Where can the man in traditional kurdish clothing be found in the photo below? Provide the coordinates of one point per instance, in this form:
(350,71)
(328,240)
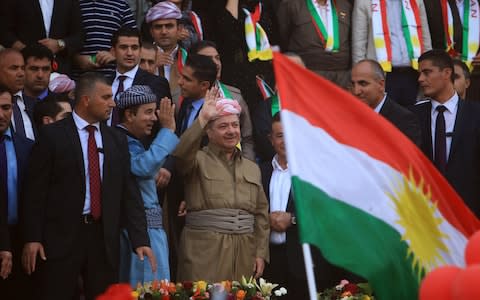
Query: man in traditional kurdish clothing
(163,19)
(399,42)
(319,31)
(138,113)
(226,232)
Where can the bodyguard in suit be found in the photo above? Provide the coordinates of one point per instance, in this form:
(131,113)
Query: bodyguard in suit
(14,151)
(368,84)
(126,45)
(12,75)
(53,23)
(450,127)
(78,193)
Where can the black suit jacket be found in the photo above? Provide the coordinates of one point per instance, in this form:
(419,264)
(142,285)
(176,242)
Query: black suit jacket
(55,191)
(23,21)
(435,24)
(22,150)
(406,121)
(463,166)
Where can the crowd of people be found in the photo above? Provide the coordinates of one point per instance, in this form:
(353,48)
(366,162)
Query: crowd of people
(140,140)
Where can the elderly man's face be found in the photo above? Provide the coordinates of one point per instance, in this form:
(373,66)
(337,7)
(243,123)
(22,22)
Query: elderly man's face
(213,53)
(147,60)
(12,72)
(6,109)
(225,132)
(164,33)
(366,86)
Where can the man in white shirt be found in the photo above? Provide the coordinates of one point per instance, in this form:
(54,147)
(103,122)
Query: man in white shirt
(12,75)
(450,128)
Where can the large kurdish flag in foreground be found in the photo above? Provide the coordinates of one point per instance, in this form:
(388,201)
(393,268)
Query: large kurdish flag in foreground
(365,195)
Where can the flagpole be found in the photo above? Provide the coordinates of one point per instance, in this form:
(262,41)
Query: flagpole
(307,256)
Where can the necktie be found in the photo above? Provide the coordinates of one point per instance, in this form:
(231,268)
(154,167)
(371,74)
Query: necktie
(440,158)
(94,174)
(115,116)
(187,117)
(3,173)
(18,118)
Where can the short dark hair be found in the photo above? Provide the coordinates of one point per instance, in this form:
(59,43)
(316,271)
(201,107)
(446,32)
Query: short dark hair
(204,69)
(125,31)
(276,117)
(200,45)
(86,83)
(37,51)
(439,58)
(463,66)
(148,45)
(48,107)
(121,112)
(4,89)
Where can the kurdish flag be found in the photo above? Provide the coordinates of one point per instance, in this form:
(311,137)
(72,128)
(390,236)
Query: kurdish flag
(365,195)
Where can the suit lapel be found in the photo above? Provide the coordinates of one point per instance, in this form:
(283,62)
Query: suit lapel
(36,7)
(72,132)
(457,128)
(108,148)
(426,125)
(138,79)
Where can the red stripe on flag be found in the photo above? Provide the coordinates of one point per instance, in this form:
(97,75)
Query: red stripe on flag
(353,123)
(386,31)
(416,13)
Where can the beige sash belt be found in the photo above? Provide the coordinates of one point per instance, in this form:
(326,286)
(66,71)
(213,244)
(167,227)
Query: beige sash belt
(221,220)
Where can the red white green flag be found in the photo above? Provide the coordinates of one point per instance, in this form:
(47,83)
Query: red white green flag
(365,195)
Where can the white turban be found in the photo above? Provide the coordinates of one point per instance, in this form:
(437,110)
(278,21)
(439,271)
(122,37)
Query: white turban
(226,107)
(163,10)
(60,83)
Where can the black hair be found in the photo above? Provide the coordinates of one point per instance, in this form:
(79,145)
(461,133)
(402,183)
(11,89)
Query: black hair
(204,69)
(200,45)
(37,51)
(87,82)
(127,32)
(463,66)
(48,107)
(4,89)
(439,58)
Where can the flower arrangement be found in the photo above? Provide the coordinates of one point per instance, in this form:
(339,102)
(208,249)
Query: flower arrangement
(347,291)
(245,289)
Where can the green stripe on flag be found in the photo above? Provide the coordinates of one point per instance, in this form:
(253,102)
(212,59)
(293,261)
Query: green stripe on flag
(357,241)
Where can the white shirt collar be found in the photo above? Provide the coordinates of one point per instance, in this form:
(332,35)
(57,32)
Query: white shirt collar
(130,74)
(276,164)
(174,52)
(380,105)
(81,123)
(451,103)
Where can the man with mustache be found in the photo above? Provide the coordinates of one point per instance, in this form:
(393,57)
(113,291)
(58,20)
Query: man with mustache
(138,111)
(227,212)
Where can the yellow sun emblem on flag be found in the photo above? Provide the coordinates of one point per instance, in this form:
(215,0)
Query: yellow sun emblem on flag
(422,228)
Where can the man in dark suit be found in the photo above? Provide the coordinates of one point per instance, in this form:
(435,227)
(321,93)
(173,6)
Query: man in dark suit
(286,265)
(368,84)
(450,127)
(55,24)
(126,45)
(14,151)
(78,194)
(12,75)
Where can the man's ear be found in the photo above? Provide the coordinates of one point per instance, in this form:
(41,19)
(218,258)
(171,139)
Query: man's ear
(205,85)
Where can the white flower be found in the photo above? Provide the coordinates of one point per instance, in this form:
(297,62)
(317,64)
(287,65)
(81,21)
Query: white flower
(283,290)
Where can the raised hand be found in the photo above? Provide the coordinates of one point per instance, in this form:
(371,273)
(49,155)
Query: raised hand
(166,114)
(209,108)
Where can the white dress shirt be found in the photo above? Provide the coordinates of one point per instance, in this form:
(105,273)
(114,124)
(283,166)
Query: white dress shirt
(127,83)
(280,184)
(47,10)
(380,105)
(81,125)
(400,56)
(450,115)
(27,123)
